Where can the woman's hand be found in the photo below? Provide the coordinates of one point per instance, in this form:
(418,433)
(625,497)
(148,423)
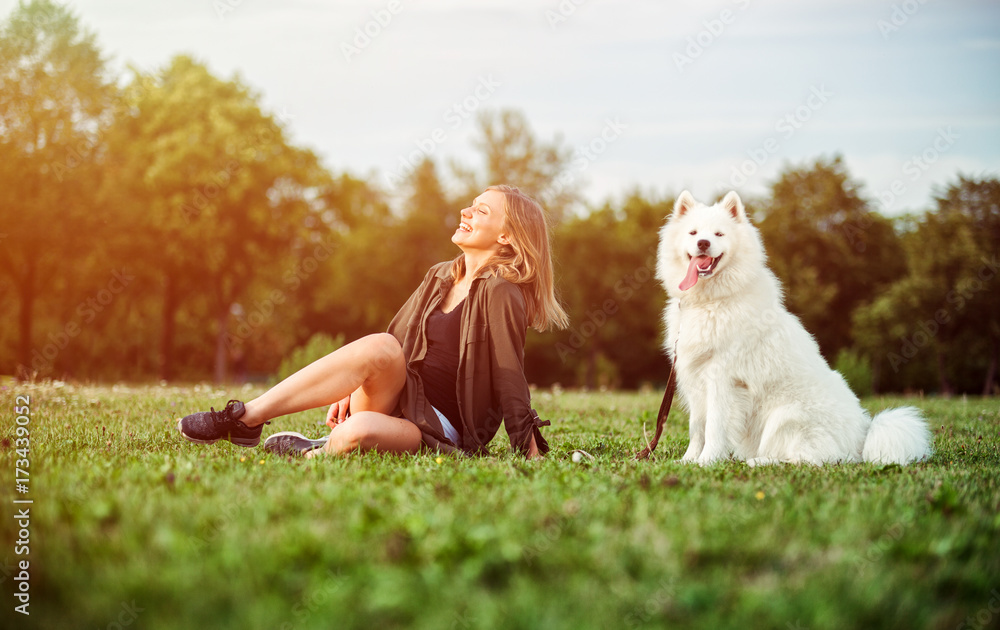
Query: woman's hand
(533,449)
(338,412)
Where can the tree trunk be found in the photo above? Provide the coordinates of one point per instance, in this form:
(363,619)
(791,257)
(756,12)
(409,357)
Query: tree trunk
(167,331)
(221,354)
(991,372)
(25,321)
(946,389)
(590,379)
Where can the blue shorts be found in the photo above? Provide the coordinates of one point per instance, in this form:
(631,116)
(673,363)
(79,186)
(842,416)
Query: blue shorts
(449,429)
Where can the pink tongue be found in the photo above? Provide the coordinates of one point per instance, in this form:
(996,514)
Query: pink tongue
(691,278)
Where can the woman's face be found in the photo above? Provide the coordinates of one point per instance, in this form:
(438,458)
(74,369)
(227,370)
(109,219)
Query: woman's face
(481,225)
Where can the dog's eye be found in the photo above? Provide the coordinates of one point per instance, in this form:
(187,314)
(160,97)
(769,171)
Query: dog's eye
(719,234)
(693,232)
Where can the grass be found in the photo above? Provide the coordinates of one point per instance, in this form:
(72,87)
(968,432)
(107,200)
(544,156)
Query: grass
(132,526)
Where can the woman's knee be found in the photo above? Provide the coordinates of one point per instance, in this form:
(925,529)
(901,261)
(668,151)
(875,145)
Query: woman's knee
(352,435)
(366,430)
(385,353)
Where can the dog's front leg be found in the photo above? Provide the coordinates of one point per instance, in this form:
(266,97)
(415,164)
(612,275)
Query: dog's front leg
(716,436)
(696,430)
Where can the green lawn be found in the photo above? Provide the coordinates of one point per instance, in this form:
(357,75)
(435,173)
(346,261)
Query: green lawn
(133,527)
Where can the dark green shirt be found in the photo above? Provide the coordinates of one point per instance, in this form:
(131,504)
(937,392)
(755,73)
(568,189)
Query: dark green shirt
(491,387)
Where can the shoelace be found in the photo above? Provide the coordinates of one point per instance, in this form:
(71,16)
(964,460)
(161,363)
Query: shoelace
(227,413)
(222,414)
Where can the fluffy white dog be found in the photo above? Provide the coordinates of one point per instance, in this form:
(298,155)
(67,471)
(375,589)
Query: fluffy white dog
(750,376)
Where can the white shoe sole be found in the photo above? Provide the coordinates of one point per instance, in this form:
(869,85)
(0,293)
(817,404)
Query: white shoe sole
(303,443)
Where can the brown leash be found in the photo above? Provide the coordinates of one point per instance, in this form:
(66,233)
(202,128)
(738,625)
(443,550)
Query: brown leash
(661,416)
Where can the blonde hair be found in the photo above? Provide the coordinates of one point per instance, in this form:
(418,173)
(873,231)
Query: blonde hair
(526,260)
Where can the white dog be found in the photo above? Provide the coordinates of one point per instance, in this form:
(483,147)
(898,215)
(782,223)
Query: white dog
(750,376)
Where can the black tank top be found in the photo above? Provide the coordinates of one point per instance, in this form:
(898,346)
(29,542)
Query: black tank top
(439,370)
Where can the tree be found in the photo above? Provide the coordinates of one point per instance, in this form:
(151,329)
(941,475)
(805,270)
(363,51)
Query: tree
(606,264)
(942,317)
(217,198)
(359,292)
(512,155)
(383,256)
(828,248)
(976,204)
(55,104)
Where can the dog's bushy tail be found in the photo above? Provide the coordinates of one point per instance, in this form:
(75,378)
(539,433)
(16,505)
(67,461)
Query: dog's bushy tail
(898,436)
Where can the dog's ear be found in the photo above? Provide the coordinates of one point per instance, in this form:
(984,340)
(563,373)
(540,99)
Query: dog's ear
(685,201)
(734,206)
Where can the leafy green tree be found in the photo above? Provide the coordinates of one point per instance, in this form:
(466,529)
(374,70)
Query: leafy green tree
(218,197)
(941,318)
(384,259)
(513,155)
(830,250)
(976,202)
(606,265)
(374,266)
(886,334)
(429,219)
(55,103)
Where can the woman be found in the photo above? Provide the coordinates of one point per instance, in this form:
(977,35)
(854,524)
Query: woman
(451,366)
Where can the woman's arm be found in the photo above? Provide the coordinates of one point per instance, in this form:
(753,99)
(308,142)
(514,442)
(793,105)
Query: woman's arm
(507,319)
(533,449)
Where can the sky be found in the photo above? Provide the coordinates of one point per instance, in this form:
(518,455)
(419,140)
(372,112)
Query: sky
(658,96)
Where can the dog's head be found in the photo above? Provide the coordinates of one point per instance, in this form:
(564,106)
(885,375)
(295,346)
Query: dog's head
(701,243)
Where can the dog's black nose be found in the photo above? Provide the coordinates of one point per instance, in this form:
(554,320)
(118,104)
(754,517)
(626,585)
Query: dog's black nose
(703,245)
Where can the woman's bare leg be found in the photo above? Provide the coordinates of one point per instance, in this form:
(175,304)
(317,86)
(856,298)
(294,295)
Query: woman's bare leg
(371,430)
(371,370)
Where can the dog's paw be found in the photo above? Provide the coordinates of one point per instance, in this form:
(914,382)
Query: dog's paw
(763,461)
(707,459)
(691,454)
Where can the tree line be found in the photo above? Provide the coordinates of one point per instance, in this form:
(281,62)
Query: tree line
(163,226)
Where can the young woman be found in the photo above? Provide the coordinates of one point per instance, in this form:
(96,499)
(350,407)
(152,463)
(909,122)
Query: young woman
(449,369)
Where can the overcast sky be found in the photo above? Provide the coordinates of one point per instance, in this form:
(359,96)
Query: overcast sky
(660,95)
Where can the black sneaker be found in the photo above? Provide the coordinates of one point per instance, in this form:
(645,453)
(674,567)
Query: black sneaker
(208,427)
(291,443)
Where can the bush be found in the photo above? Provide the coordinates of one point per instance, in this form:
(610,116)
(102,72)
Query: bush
(857,371)
(318,346)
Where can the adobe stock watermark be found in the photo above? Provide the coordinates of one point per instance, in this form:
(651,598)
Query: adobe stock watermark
(583,157)
(219,522)
(984,617)
(86,312)
(599,314)
(562,12)
(223,8)
(453,117)
(76,154)
(203,195)
(368,32)
(913,170)
(311,602)
(918,164)
(655,605)
(877,550)
(899,17)
(82,150)
(262,310)
(928,329)
(786,126)
(713,29)
(129,614)
(544,539)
